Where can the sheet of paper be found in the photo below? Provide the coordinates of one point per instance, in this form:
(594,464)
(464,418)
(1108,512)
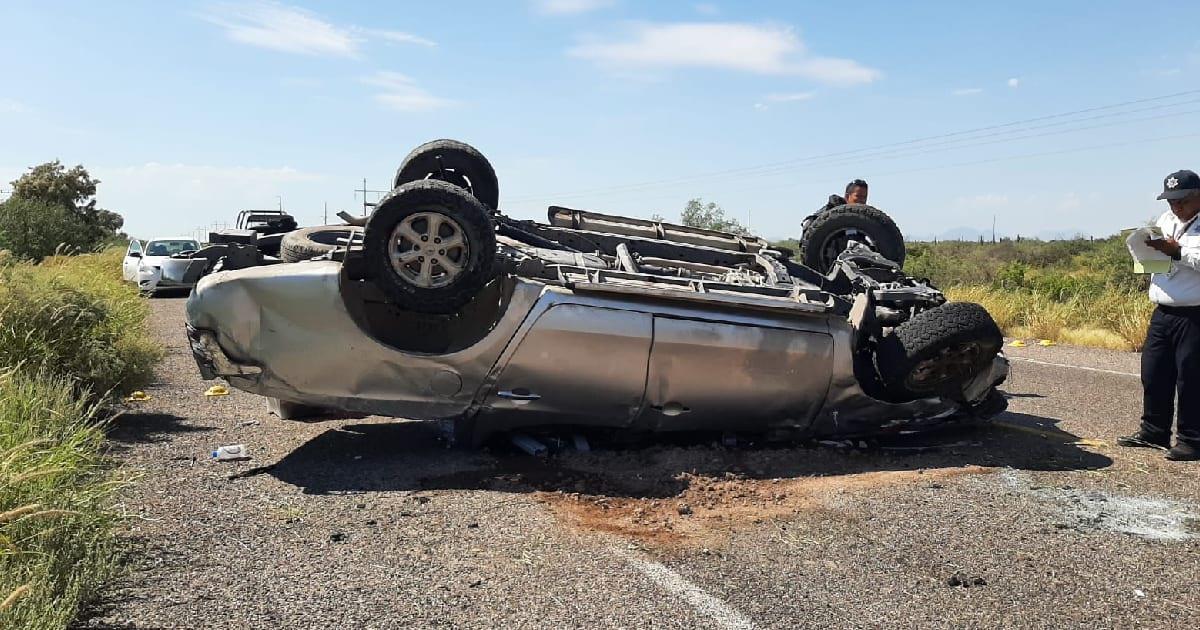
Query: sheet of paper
(1146,259)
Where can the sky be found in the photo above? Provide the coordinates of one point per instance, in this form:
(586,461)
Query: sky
(1051,118)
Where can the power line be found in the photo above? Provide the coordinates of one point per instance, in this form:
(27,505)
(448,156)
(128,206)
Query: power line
(965,143)
(775,166)
(1022,156)
(925,151)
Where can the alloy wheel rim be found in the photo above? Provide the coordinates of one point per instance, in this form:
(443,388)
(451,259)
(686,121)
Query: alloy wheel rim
(428,249)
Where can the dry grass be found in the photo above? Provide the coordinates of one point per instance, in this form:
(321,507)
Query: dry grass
(1114,318)
(72,335)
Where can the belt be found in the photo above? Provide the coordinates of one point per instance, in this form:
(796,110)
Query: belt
(1191,311)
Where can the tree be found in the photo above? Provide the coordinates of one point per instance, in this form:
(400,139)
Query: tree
(73,189)
(709,216)
(34,229)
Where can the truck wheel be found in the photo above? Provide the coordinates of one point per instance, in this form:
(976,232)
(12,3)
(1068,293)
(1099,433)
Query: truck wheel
(939,350)
(430,246)
(829,232)
(311,242)
(455,162)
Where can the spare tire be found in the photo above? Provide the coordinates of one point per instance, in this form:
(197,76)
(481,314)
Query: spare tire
(430,246)
(939,350)
(311,242)
(455,162)
(828,233)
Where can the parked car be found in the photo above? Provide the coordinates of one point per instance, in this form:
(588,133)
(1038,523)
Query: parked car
(162,263)
(450,309)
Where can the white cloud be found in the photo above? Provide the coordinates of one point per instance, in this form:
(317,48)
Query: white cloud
(162,199)
(288,29)
(399,37)
(1014,82)
(753,48)
(707,8)
(967,91)
(790,97)
(401,93)
(10,106)
(570,7)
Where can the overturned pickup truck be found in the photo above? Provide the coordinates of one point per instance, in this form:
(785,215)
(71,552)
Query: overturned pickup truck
(451,310)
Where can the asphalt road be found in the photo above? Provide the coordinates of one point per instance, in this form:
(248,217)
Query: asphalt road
(1038,521)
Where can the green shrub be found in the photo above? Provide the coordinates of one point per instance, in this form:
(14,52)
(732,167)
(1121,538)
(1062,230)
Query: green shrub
(1079,291)
(56,542)
(33,229)
(72,336)
(72,316)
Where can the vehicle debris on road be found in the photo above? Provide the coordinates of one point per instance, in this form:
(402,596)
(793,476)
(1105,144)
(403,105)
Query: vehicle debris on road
(961,579)
(230,453)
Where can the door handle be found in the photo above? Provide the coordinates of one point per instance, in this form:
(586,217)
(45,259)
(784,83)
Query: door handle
(519,395)
(671,409)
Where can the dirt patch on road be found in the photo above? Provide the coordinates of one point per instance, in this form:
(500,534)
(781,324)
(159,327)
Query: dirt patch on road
(708,508)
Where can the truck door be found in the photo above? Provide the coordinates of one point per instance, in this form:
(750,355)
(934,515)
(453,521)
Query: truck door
(716,375)
(576,365)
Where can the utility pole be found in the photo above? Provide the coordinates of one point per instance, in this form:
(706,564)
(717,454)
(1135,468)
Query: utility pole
(325,219)
(993,228)
(364,190)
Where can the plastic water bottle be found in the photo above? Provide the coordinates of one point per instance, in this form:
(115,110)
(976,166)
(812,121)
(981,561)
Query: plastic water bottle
(229,453)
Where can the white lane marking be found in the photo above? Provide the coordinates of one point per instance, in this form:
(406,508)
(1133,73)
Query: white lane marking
(702,602)
(1074,367)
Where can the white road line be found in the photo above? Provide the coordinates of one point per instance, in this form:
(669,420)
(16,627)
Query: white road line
(702,602)
(1074,367)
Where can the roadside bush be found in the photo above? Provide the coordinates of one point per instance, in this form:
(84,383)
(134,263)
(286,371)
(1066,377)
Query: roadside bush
(33,229)
(72,316)
(1114,318)
(72,337)
(56,542)
(1079,291)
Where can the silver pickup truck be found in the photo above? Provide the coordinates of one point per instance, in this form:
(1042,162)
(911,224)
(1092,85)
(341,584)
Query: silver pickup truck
(451,310)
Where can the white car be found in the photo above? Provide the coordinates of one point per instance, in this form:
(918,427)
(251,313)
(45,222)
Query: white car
(163,263)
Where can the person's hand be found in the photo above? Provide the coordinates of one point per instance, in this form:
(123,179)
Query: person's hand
(1168,246)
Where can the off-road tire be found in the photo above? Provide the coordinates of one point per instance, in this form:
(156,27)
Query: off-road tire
(472,217)
(951,329)
(311,242)
(875,223)
(425,161)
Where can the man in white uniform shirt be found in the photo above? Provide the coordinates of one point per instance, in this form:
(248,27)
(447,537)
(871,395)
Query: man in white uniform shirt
(1171,356)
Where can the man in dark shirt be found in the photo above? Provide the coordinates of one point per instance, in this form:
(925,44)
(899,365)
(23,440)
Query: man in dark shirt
(856,192)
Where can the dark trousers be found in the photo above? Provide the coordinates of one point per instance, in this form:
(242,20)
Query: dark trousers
(1171,366)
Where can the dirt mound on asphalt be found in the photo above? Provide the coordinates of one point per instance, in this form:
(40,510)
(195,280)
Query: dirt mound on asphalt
(708,507)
